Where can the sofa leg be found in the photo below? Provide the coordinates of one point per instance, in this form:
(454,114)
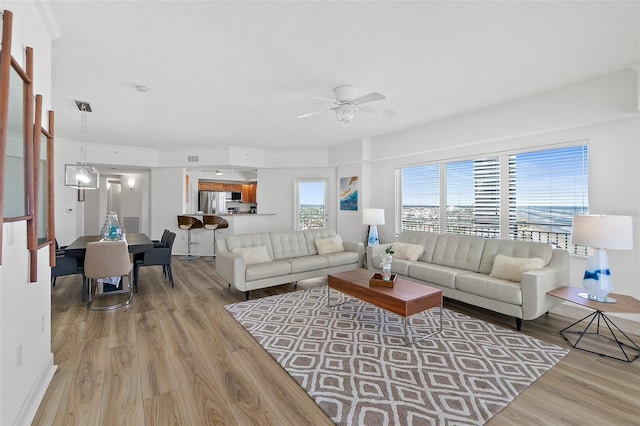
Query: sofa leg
(519,324)
(246,294)
(228,285)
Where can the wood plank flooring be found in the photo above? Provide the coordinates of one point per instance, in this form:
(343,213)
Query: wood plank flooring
(174,356)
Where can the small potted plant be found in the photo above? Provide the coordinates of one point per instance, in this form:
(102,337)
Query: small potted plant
(387,259)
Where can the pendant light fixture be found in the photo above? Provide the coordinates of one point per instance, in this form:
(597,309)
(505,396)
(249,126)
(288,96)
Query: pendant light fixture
(81,176)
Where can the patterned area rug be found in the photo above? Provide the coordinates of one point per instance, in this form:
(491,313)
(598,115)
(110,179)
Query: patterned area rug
(351,360)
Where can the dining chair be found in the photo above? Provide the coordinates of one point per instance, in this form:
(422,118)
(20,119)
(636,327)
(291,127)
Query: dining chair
(105,260)
(162,241)
(158,256)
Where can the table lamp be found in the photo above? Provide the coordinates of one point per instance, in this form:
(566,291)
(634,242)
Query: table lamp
(600,232)
(373,218)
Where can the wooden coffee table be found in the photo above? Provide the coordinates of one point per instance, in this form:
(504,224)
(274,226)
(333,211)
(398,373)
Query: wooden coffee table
(597,320)
(405,298)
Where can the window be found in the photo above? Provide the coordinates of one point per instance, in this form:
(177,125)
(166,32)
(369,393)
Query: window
(526,196)
(551,186)
(311,209)
(473,197)
(421,198)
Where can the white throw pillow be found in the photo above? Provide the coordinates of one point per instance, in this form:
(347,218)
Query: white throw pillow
(407,251)
(253,255)
(330,245)
(512,268)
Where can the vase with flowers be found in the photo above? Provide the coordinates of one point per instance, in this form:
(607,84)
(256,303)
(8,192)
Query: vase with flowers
(385,264)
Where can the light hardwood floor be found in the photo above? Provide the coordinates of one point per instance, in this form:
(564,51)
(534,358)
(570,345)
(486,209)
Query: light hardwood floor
(176,357)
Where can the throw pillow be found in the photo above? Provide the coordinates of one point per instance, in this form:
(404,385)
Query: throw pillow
(407,251)
(330,245)
(253,255)
(512,268)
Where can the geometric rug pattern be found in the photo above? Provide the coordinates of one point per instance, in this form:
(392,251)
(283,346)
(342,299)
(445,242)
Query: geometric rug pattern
(351,359)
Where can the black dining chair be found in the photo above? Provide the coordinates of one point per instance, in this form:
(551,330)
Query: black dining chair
(65,265)
(162,242)
(158,256)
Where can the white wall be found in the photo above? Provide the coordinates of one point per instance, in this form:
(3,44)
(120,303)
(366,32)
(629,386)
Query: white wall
(25,308)
(166,200)
(276,194)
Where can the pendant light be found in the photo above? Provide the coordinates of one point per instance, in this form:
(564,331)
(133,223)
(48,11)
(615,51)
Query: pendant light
(81,176)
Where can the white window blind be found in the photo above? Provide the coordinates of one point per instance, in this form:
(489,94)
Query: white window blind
(551,186)
(473,197)
(421,198)
(545,189)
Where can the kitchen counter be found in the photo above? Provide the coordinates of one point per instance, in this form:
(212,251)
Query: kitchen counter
(239,223)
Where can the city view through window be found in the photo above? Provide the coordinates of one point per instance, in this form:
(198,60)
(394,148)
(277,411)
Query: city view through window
(544,190)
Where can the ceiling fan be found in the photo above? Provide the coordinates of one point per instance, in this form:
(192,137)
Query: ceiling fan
(346,104)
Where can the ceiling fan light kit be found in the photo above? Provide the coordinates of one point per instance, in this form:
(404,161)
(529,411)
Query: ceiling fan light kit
(347,104)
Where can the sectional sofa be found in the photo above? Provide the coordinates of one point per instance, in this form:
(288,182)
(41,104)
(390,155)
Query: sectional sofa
(255,261)
(505,276)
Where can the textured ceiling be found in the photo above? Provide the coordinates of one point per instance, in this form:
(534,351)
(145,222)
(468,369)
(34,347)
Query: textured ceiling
(239,73)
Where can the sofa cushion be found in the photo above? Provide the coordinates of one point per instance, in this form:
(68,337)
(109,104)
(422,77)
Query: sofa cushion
(491,288)
(407,251)
(287,244)
(342,258)
(253,255)
(329,245)
(444,276)
(459,251)
(311,235)
(513,248)
(512,268)
(426,239)
(249,240)
(307,263)
(259,271)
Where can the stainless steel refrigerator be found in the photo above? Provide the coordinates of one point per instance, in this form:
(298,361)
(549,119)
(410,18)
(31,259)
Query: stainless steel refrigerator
(210,202)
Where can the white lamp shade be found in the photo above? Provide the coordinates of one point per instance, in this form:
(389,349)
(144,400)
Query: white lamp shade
(373,217)
(602,231)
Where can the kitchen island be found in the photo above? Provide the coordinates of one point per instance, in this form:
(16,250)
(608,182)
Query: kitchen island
(239,223)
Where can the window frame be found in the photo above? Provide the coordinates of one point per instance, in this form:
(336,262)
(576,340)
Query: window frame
(507,183)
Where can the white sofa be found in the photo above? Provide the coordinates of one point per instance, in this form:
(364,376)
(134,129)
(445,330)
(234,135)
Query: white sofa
(461,266)
(283,257)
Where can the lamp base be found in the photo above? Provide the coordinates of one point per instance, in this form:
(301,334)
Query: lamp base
(597,299)
(373,236)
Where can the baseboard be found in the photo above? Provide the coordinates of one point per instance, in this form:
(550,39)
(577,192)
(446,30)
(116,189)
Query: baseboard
(32,402)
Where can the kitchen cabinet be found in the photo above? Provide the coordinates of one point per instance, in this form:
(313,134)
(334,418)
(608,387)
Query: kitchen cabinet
(220,187)
(249,193)
(232,187)
(211,186)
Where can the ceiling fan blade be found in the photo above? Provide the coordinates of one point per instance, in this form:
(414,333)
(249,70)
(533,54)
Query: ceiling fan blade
(378,111)
(310,114)
(322,98)
(373,96)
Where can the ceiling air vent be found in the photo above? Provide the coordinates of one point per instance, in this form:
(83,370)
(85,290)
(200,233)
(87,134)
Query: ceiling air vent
(193,158)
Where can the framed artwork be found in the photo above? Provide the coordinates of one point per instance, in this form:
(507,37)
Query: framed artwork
(349,193)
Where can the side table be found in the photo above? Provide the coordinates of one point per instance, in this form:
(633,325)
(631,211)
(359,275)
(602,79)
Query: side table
(594,328)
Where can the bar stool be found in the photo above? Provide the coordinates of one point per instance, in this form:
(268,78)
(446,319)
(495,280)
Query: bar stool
(188,223)
(214,223)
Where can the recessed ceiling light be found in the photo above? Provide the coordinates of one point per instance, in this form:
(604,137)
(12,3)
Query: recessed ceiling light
(141,88)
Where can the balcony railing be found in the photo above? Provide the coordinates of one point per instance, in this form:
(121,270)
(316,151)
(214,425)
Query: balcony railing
(557,239)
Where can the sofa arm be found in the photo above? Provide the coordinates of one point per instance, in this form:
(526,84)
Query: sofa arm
(375,251)
(355,247)
(535,285)
(231,267)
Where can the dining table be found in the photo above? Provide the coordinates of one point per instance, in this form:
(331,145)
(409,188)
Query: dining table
(137,243)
